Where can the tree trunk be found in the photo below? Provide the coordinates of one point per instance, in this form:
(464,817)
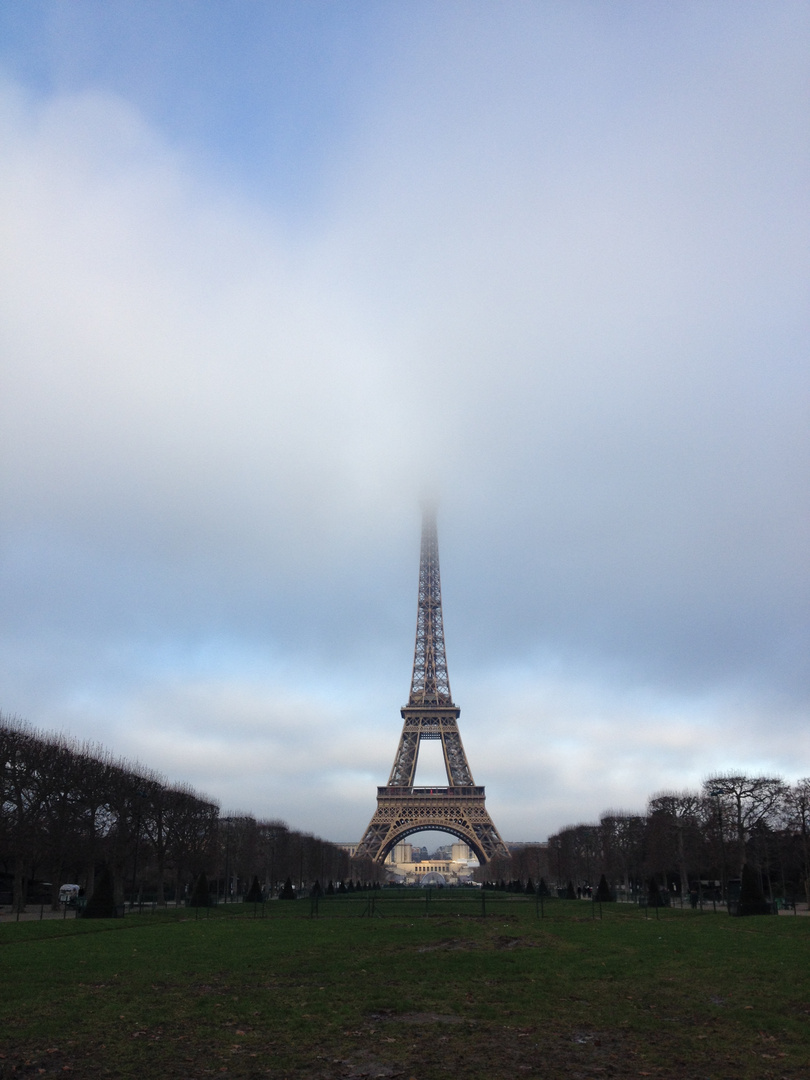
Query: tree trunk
(91,881)
(118,871)
(161,881)
(682,868)
(20,885)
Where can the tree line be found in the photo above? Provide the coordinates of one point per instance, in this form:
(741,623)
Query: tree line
(693,841)
(69,809)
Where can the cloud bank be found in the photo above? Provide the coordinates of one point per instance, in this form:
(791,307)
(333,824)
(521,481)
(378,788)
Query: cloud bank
(555,272)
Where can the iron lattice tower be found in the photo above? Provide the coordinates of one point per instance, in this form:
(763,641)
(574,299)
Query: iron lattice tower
(459,808)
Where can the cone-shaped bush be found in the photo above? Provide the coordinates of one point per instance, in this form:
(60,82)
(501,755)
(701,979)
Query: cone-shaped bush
(653,893)
(254,893)
(752,898)
(542,888)
(530,887)
(200,896)
(342,887)
(603,893)
(287,892)
(330,889)
(316,889)
(101,904)
(570,892)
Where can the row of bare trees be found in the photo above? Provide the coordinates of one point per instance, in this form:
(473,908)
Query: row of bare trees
(525,863)
(246,848)
(67,809)
(692,837)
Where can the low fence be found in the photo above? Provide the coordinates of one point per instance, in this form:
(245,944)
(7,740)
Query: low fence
(427,903)
(403,904)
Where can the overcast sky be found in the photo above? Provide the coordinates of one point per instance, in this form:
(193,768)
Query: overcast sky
(270,273)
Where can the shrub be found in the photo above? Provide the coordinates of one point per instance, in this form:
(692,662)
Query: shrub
(570,892)
(287,891)
(752,899)
(254,893)
(603,893)
(101,904)
(200,896)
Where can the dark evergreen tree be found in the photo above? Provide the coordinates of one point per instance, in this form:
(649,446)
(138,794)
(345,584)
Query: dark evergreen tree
(101,904)
(542,888)
(200,896)
(752,899)
(570,892)
(342,887)
(254,893)
(330,889)
(530,887)
(287,891)
(316,889)
(653,893)
(603,893)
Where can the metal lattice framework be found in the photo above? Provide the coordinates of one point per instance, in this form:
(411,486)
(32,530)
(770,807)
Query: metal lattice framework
(429,682)
(459,808)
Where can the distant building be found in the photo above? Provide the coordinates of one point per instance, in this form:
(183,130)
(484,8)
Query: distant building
(454,862)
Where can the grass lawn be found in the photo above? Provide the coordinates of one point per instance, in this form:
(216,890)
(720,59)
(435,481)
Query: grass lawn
(429,990)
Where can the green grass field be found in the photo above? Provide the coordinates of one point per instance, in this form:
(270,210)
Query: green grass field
(423,989)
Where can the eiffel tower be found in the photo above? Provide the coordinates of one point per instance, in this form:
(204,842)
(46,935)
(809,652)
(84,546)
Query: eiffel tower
(459,808)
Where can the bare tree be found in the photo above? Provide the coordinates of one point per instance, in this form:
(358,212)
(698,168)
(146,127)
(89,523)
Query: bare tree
(22,772)
(530,862)
(192,827)
(272,843)
(574,854)
(678,815)
(746,802)
(62,814)
(622,838)
(797,820)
